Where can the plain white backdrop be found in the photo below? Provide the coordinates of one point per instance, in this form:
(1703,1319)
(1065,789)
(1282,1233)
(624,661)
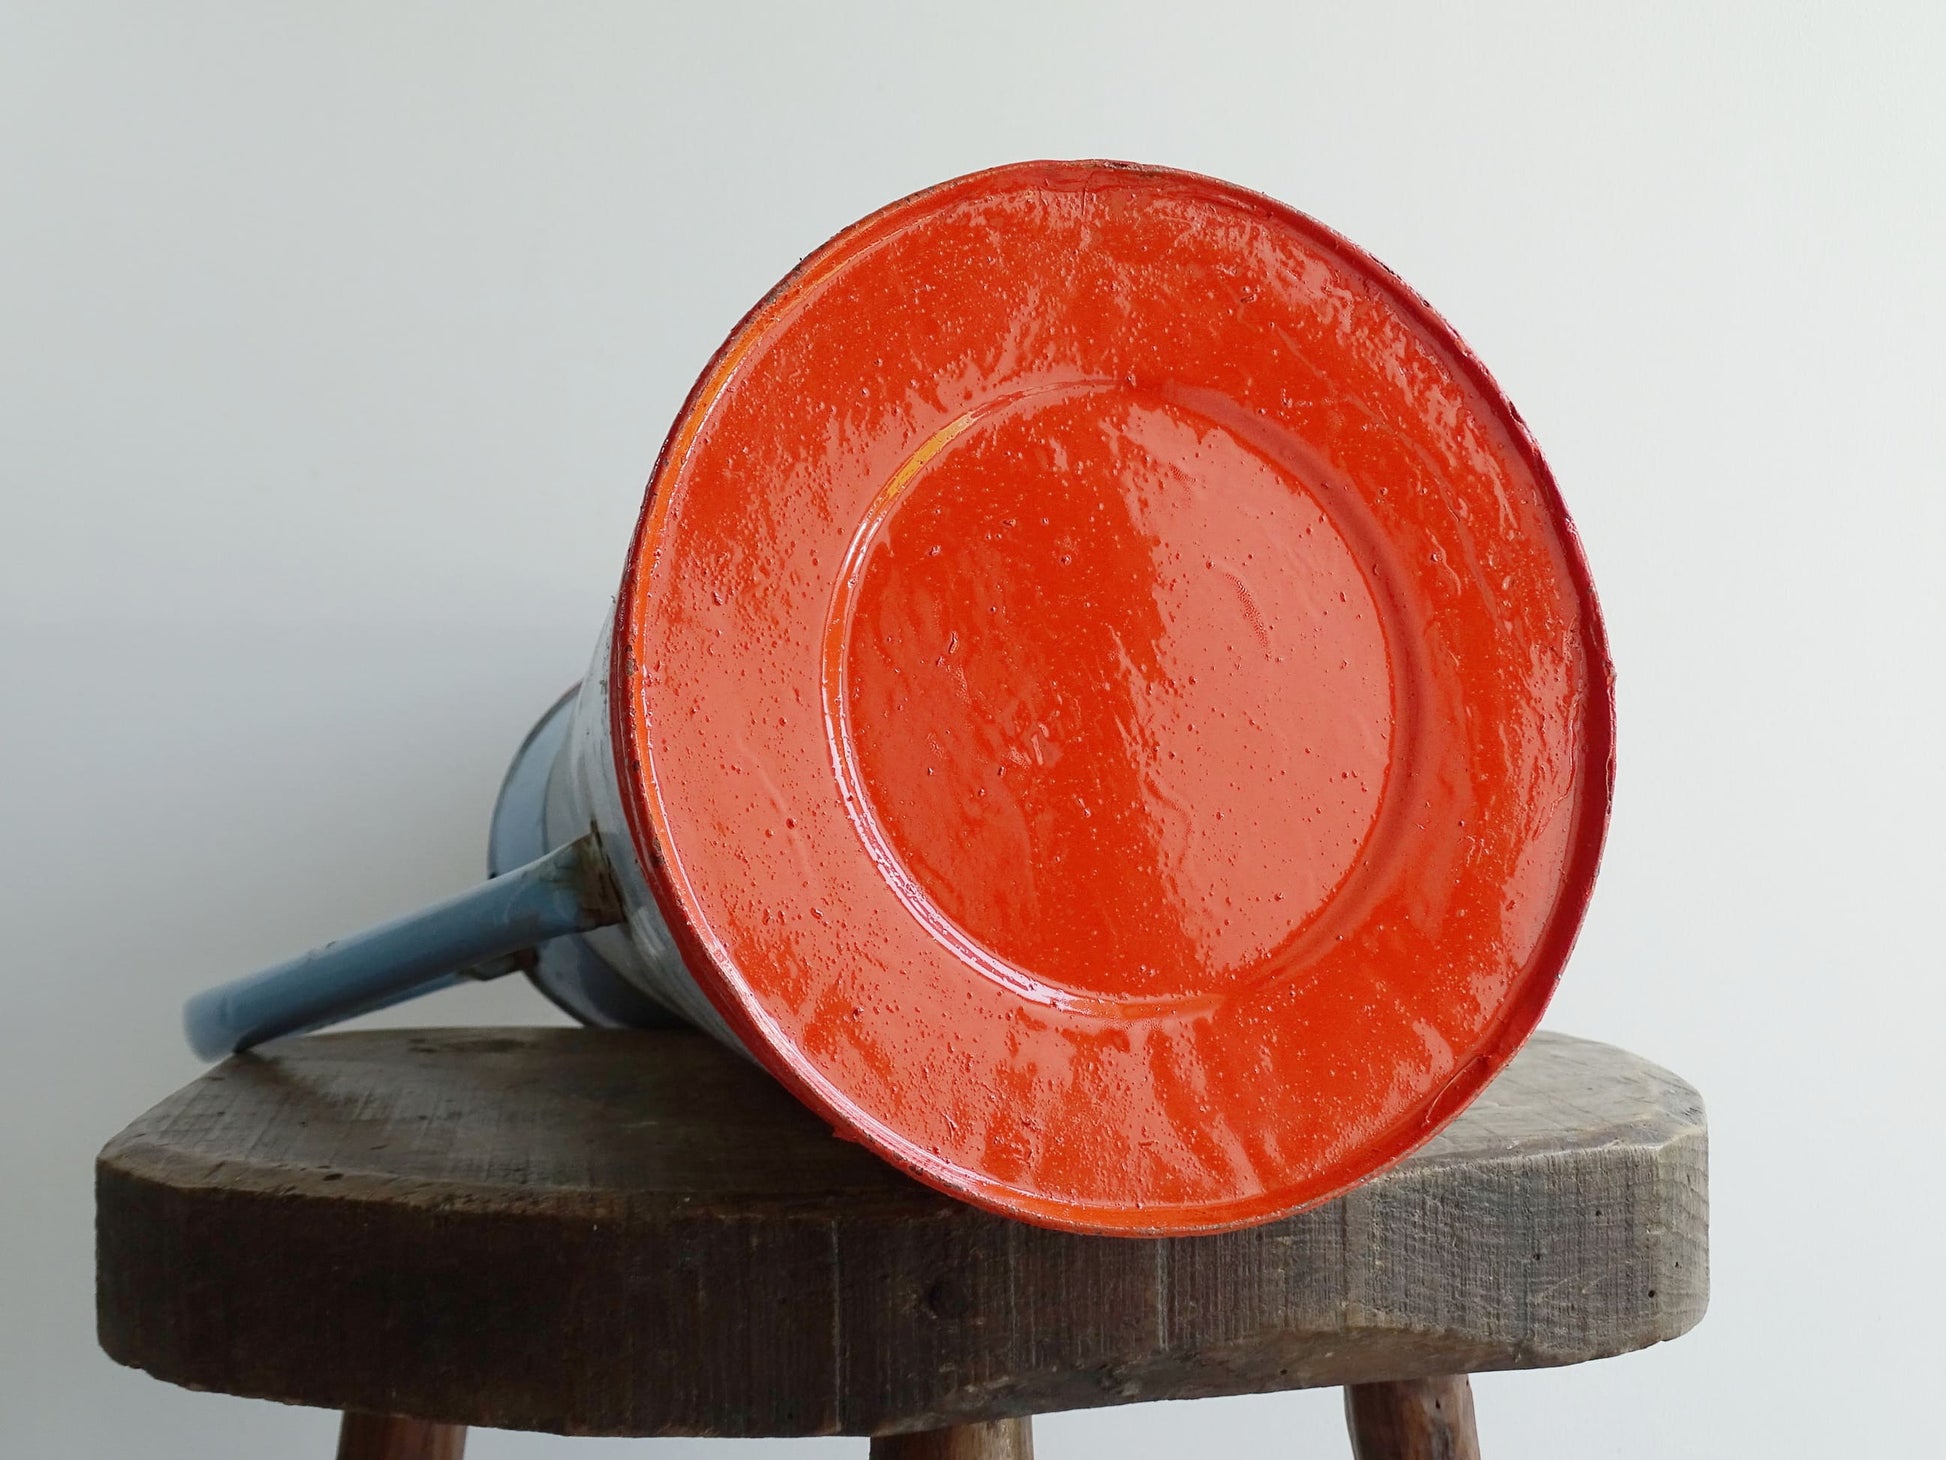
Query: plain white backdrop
(337,341)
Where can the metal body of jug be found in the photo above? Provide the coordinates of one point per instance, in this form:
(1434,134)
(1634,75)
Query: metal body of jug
(1105,703)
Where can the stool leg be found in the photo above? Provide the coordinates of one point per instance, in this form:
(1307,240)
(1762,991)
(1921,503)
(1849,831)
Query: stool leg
(1000,1439)
(392,1437)
(1413,1419)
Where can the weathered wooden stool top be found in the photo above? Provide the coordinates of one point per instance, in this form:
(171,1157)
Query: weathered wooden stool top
(639,1233)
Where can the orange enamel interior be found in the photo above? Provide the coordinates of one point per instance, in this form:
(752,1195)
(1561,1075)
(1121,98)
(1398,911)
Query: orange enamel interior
(1110,702)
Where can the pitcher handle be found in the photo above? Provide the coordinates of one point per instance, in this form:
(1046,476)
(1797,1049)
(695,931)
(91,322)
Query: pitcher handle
(570,890)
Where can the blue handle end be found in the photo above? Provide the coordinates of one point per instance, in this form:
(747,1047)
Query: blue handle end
(207,1024)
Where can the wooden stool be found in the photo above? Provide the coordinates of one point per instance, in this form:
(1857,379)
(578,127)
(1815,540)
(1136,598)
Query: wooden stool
(591,1232)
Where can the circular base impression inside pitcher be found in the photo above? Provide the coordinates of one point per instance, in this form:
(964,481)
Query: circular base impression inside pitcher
(1110,695)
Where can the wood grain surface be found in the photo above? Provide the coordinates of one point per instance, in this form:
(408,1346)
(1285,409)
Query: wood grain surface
(388,1437)
(1412,1419)
(590,1231)
(998,1439)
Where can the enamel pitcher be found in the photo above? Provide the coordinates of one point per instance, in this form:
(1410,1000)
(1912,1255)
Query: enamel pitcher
(1104,703)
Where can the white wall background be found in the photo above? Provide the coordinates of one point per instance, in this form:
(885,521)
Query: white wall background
(335,347)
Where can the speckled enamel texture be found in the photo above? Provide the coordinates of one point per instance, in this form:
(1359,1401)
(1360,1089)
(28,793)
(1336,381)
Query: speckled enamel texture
(1108,700)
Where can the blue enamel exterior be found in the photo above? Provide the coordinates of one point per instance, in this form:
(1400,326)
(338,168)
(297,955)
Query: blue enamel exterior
(567,970)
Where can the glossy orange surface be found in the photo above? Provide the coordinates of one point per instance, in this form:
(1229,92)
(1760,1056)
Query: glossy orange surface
(1110,702)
